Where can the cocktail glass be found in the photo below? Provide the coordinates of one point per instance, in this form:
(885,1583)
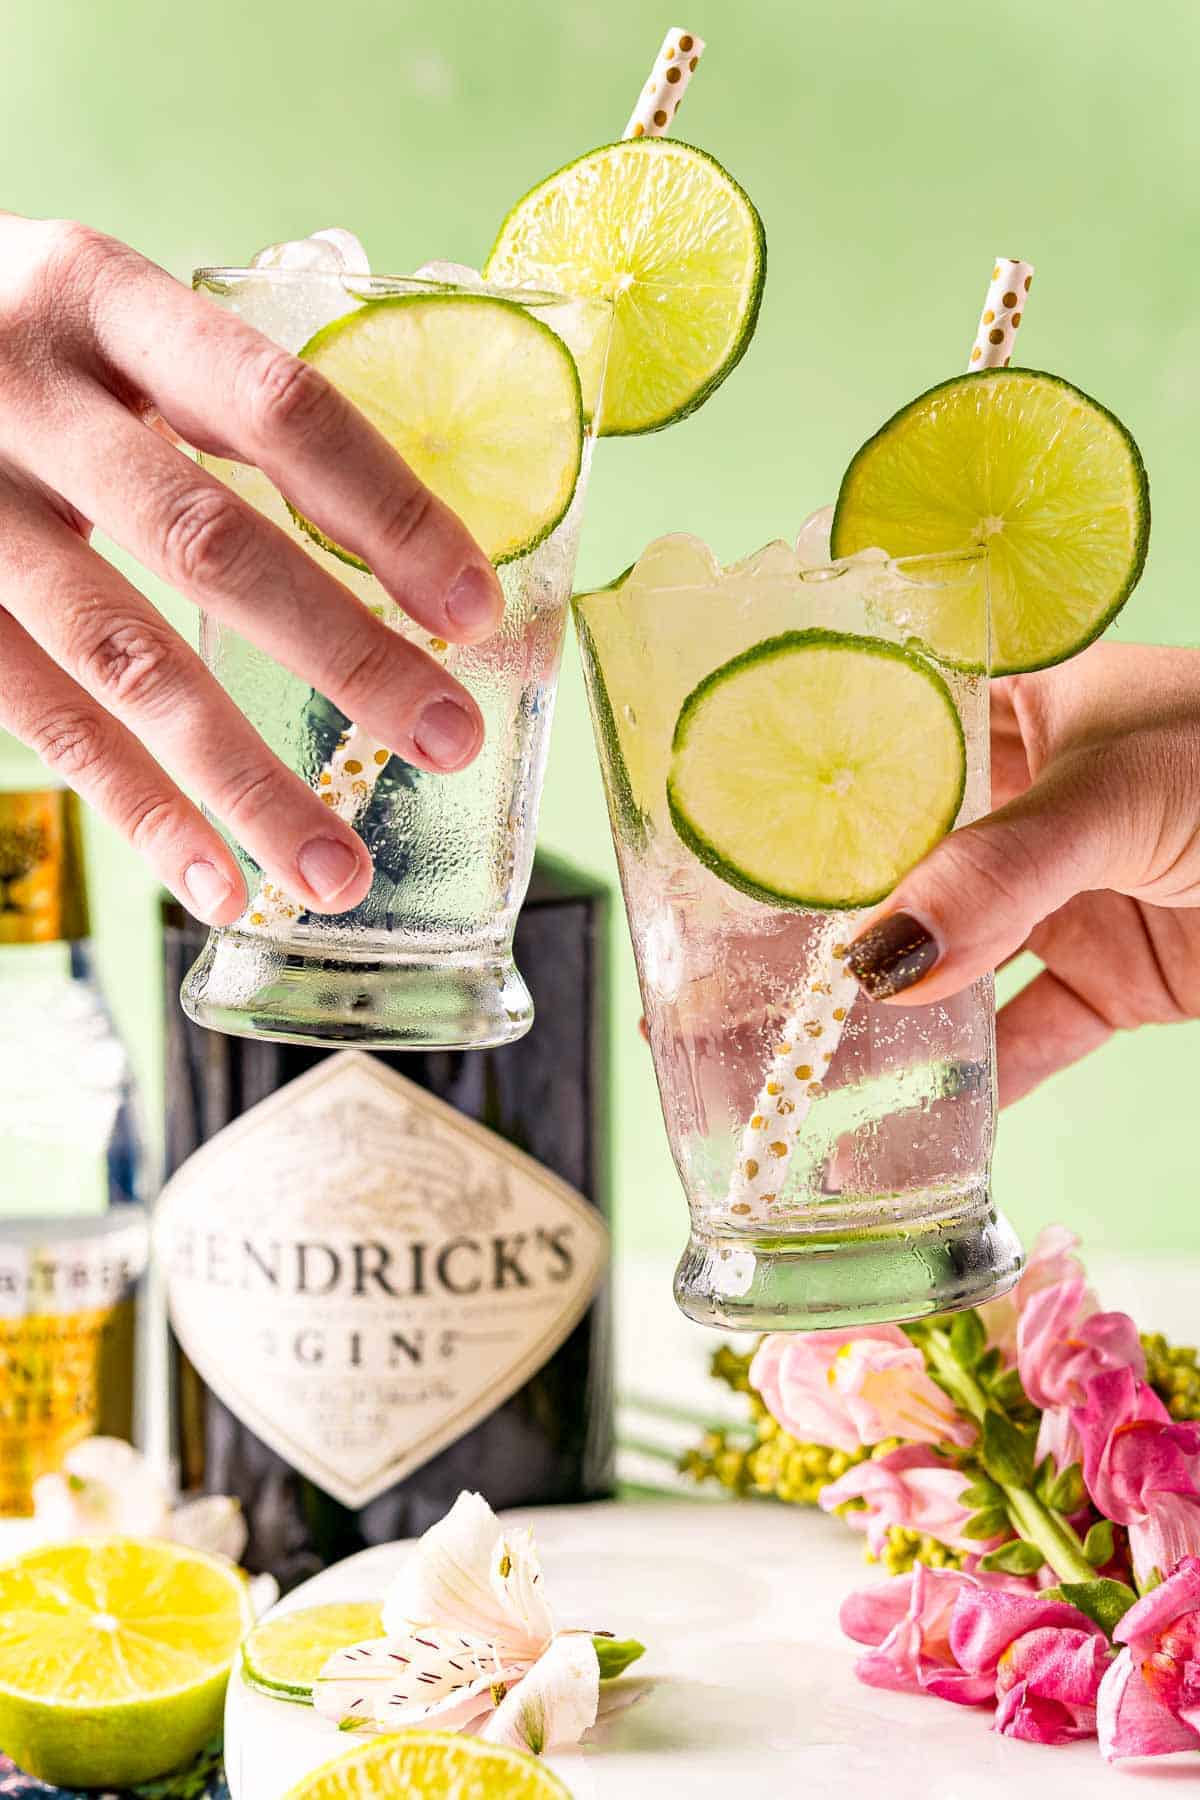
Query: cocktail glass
(878,1128)
(426,959)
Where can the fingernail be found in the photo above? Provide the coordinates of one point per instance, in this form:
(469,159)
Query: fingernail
(475,602)
(445,733)
(327,866)
(207,888)
(891,956)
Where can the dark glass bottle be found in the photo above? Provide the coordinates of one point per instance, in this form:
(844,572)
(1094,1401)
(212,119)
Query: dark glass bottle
(326,1306)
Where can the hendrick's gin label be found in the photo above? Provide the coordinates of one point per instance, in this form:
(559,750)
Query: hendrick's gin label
(382,1268)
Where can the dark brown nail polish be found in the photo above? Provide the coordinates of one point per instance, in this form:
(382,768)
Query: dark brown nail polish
(891,956)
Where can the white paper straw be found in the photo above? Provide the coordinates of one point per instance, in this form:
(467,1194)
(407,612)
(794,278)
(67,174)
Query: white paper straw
(659,100)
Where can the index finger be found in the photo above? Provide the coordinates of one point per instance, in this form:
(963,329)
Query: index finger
(224,386)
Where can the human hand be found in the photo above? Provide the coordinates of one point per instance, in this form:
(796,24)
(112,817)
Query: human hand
(1092,862)
(94,343)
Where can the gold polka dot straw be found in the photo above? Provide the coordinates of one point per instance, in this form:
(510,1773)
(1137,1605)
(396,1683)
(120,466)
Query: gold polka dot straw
(345,783)
(818,1016)
(659,100)
(1003,309)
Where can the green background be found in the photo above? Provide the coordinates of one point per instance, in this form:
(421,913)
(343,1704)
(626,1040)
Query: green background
(892,149)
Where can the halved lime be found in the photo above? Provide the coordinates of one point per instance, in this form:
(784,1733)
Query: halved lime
(283,1656)
(481,399)
(1026,463)
(666,234)
(114,1658)
(816,768)
(430,1765)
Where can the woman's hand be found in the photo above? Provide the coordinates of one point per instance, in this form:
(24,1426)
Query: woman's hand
(94,341)
(1092,862)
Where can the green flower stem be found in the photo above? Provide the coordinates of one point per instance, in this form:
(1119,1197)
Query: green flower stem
(1031,1520)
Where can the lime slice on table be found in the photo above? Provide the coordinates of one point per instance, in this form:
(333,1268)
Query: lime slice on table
(816,768)
(283,1656)
(481,399)
(114,1658)
(430,1765)
(663,232)
(1024,462)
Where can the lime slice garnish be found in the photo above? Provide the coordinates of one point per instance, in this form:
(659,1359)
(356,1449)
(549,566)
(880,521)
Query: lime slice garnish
(816,768)
(417,1765)
(284,1656)
(663,232)
(114,1658)
(1024,462)
(481,399)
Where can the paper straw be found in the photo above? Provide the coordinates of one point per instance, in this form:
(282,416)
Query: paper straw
(1003,305)
(811,1032)
(347,781)
(659,100)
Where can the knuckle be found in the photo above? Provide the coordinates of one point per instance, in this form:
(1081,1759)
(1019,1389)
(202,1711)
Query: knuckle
(372,668)
(289,398)
(133,664)
(249,794)
(53,269)
(996,860)
(73,741)
(207,539)
(149,820)
(407,517)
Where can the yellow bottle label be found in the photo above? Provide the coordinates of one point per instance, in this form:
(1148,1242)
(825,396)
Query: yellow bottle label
(66,1348)
(42,893)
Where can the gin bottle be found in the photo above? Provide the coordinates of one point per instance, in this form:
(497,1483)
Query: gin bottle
(385,1271)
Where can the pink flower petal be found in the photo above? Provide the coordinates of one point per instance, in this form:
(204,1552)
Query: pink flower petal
(1131,1721)
(870,1613)
(1177,1595)
(792,1372)
(1167,1534)
(986,1621)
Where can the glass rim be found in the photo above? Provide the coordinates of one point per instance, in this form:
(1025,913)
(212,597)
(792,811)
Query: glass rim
(383,286)
(921,569)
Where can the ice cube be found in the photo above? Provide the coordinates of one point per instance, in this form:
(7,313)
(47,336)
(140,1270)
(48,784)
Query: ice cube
(454,274)
(812,539)
(334,249)
(292,312)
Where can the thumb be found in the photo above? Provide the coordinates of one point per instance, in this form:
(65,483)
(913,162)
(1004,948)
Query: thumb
(979,893)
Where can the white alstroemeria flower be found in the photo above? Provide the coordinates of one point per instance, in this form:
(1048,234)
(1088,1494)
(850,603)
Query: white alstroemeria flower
(471,1644)
(104,1486)
(555,1703)
(470,1574)
(214,1522)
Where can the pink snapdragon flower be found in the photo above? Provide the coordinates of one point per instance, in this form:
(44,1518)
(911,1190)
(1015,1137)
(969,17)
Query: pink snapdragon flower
(1150,1697)
(906,1622)
(1062,1341)
(911,1487)
(1142,1469)
(1048,1682)
(973,1638)
(851,1388)
(1051,1261)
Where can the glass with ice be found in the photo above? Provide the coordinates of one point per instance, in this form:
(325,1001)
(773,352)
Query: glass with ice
(835,1154)
(494,399)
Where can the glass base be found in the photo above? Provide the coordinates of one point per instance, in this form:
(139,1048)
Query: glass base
(826,1278)
(250,987)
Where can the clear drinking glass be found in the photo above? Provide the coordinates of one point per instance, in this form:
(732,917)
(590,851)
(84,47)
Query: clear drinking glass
(426,960)
(875,1122)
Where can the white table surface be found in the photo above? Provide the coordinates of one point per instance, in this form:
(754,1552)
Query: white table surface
(752,1690)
